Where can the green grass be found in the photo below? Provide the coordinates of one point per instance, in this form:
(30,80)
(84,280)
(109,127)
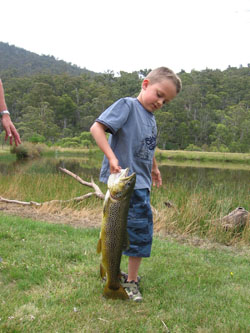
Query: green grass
(49,283)
(181,155)
(176,155)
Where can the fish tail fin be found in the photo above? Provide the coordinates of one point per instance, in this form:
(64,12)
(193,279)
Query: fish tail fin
(119,293)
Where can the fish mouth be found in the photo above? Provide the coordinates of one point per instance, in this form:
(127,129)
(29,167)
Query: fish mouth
(115,178)
(124,174)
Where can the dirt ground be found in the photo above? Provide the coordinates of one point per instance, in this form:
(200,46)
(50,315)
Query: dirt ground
(78,219)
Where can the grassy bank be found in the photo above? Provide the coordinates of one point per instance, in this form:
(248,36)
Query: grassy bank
(49,283)
(179,155)
(199,199)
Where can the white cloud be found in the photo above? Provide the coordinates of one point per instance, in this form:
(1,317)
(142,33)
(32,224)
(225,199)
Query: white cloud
(131,35)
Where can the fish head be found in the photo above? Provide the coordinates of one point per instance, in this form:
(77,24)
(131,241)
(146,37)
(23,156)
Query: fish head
(121,185)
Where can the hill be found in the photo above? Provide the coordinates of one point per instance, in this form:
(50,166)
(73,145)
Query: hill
(53,100)
(20,62)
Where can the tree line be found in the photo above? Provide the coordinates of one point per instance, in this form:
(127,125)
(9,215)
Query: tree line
(211,113)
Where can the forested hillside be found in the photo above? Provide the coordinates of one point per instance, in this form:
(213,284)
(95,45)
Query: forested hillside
(15,61)
(211,113)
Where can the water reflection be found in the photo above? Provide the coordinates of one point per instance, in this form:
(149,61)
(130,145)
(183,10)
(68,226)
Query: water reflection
(86,167)
(204,176)
(80,166)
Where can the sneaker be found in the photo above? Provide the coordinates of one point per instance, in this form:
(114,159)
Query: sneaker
(123,279)
(132,289)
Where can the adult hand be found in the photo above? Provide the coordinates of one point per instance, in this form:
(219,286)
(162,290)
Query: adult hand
(10,130)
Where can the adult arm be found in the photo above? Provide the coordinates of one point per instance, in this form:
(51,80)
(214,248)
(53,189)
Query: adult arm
(8,126)
(98,132)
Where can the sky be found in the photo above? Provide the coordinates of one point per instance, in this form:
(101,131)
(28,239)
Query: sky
(129,35)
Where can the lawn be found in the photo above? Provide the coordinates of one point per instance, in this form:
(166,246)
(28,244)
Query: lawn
(49,283)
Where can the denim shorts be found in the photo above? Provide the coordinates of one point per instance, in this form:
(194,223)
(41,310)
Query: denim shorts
(140,224)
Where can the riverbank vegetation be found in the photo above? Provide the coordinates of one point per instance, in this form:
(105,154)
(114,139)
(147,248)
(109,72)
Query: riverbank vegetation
(161,155)
(178,155)
(199,197)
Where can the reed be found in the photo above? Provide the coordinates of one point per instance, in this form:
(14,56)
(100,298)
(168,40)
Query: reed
(198,211)
(199,199)
(196,208)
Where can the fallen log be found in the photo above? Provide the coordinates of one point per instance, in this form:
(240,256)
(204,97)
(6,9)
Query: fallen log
(236,220)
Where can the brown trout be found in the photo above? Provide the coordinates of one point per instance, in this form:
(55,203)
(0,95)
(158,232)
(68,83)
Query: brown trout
(114,237)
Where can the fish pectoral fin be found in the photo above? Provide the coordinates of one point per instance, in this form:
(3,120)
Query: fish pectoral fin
(102,271)
(99,246)
(126,243)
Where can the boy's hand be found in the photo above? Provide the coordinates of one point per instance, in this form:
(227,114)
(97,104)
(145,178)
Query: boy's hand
(156,177)
(114,165)
(10,130)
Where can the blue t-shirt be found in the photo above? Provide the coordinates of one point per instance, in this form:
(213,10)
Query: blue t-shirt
(133,139)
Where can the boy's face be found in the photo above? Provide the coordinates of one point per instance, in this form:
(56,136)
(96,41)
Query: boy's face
(153,96)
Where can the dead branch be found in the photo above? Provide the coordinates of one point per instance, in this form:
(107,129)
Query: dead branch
(97,192)
(24,203)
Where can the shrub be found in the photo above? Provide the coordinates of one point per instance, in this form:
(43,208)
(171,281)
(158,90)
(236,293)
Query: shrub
(70,144)
(27,150)
(192,147)
(36,138)
(219,148)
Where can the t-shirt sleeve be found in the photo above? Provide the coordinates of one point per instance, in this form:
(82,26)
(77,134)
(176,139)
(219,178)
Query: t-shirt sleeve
(115,116)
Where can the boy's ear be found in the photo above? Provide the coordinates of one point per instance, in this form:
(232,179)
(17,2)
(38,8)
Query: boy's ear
(145,83)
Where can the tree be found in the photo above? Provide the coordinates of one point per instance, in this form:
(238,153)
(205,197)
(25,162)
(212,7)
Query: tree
(39,121)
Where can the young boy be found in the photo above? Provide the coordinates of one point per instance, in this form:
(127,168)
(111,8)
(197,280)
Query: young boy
(132,142)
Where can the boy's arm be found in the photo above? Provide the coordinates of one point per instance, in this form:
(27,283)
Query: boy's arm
(98,132)
(6,121)
(156,174)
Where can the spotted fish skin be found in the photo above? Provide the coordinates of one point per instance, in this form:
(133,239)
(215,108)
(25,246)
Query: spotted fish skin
(114,237)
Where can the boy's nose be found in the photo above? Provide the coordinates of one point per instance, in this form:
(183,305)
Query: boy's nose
(159,103)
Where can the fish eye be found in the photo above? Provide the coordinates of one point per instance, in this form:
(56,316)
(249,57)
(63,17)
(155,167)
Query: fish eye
(118,194)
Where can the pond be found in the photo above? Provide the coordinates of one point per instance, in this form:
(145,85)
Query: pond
(191,173)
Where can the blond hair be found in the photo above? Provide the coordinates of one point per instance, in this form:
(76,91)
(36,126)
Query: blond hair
(164,73)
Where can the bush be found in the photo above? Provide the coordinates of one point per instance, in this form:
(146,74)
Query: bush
(70,144)
(27,150)
(36,138)
(86,143)
(219,148)
(192,147)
